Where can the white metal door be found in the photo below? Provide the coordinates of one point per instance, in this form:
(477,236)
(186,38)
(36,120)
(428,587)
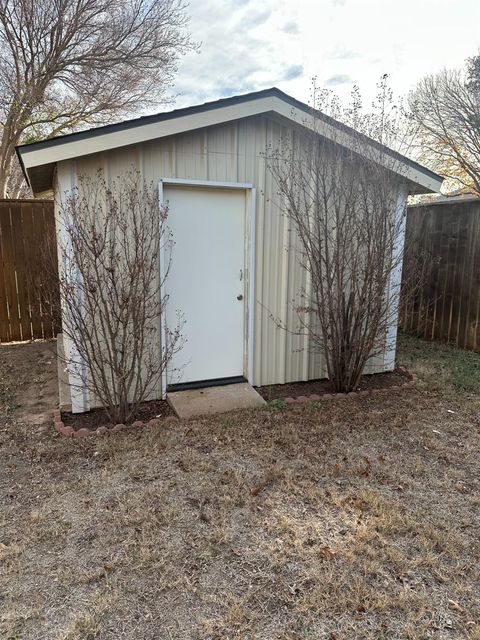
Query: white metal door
(205,283)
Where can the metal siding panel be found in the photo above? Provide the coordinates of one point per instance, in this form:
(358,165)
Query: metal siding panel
(275,246)
(117,164)
(190,154)
(242,159)
(222,153)
(258,141)
(67,180)
(254,172)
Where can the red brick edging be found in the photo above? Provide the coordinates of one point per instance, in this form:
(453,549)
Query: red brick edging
(410,381)
(69,432)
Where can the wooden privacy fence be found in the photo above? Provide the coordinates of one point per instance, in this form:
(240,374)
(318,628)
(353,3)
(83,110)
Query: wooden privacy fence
(443,254)
(27,227)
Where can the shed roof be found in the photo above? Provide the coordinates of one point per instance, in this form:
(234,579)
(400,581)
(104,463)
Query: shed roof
(39,158)
(466,198)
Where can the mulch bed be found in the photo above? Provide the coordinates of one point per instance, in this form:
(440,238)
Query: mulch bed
(160,409)
(98,418)
(322,387)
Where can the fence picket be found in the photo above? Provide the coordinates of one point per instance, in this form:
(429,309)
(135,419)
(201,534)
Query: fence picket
(24,225)
(446,308)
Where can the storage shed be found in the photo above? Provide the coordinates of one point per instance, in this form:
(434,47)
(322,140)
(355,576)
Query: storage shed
(231,269)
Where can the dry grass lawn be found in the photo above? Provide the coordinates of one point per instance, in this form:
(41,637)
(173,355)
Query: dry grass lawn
(351,520)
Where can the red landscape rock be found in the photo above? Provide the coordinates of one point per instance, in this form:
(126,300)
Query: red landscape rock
(82,433)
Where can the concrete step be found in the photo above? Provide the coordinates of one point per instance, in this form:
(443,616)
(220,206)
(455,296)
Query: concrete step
(196,402)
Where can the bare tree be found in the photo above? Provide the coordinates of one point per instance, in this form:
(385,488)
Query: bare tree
(445,120)
(110,291)
(68,63)
(341,197)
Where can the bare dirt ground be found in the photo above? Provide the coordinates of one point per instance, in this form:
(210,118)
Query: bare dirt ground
(28,380)
(356,518)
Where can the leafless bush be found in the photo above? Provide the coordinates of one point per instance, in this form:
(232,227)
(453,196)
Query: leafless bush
(110,291)
(345,200)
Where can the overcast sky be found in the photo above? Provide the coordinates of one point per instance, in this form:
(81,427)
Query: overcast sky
(247,45)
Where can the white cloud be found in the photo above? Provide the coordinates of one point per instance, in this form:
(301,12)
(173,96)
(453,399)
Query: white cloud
(339,79)
(248,45)
(291,27)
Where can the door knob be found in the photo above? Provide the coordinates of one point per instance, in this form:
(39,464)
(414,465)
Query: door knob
(240,297)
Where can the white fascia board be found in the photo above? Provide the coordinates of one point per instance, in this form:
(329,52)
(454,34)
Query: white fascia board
(418,177)
(144,133)
(343,137)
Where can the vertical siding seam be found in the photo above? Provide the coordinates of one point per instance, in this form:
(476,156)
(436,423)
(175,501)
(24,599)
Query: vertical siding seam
(264,346)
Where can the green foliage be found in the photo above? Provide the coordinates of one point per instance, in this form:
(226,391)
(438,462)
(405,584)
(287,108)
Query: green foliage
(7,396)
(444,363)
(276,404)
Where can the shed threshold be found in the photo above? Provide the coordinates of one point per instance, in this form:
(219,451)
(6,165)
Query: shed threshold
(202,384)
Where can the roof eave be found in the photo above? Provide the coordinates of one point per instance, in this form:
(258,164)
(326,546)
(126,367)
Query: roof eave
(273,100)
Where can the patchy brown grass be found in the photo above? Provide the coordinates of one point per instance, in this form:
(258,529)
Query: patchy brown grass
(354,519)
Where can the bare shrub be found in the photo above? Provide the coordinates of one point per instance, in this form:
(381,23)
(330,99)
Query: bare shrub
(110,290)
(345,200)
